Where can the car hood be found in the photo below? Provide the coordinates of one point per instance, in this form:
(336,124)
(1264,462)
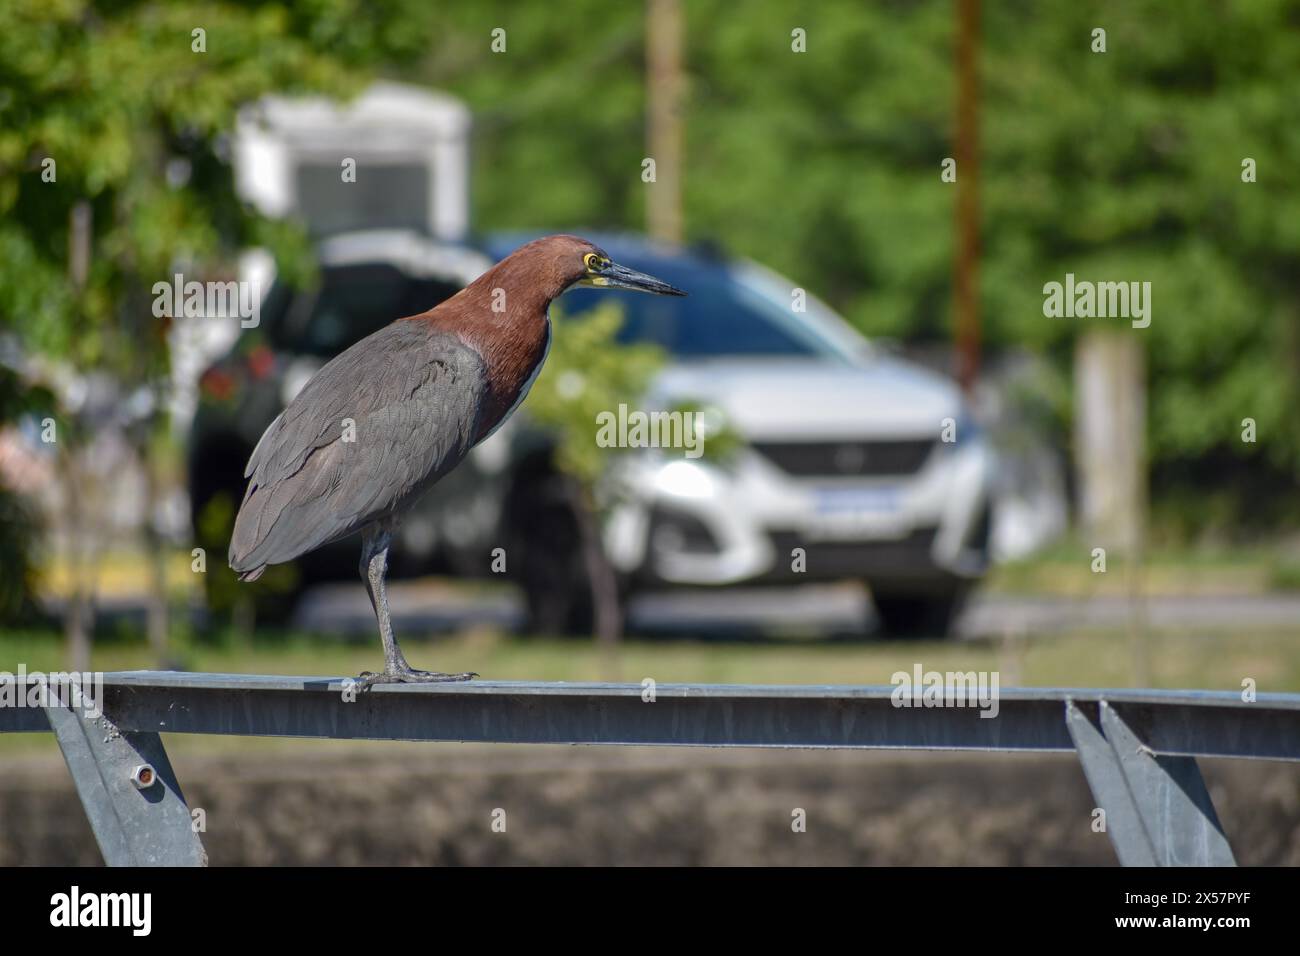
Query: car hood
(814,398)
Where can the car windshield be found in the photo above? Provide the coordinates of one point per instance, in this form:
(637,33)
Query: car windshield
(726,313)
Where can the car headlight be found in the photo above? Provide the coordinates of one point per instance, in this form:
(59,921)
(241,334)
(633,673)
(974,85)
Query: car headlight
(684,479)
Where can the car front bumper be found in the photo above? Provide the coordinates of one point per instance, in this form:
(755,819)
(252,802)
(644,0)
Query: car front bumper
(685,522)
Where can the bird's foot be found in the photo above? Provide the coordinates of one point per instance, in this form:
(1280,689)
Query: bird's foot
(409,675)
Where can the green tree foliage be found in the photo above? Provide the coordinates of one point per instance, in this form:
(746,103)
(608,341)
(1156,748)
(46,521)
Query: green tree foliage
(114,115)
(133,115)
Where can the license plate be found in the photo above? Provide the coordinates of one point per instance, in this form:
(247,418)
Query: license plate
(856,512)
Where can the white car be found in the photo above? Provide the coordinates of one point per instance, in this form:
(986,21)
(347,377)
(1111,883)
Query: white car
(852,463)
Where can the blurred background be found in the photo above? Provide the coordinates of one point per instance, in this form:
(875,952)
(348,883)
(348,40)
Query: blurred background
(905,458)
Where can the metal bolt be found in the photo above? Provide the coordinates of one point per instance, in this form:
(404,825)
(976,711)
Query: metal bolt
(144,776)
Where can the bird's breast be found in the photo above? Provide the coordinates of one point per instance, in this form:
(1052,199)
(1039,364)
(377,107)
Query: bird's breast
(522,391)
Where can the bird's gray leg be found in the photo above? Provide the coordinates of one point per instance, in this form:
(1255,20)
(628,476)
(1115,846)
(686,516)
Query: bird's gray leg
(374,570)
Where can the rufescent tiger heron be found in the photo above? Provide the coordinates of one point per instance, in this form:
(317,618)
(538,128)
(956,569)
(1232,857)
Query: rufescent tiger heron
(380,423)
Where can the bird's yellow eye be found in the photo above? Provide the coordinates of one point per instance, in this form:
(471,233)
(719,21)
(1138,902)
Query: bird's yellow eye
(593,262)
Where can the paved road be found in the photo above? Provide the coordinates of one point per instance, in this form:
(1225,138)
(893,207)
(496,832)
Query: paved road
(834,611)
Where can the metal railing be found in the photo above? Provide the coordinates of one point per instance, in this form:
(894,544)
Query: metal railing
(1137,747)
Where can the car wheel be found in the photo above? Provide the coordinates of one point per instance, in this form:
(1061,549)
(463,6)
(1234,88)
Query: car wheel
(912,615)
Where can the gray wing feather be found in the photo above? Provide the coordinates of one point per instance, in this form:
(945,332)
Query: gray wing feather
(413,395)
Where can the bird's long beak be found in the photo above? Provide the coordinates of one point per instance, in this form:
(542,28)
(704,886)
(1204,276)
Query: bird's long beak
(615,276)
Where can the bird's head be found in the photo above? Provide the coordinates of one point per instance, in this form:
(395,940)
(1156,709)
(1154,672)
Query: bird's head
(601,272)
(572,260)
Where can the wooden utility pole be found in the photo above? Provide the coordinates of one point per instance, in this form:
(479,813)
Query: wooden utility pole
(664,118)
(966,261)
(1110,414)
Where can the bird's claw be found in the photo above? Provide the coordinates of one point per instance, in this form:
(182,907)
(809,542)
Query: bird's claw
(409,675)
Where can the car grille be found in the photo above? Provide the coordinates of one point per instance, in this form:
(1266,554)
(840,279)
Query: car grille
(848,458)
